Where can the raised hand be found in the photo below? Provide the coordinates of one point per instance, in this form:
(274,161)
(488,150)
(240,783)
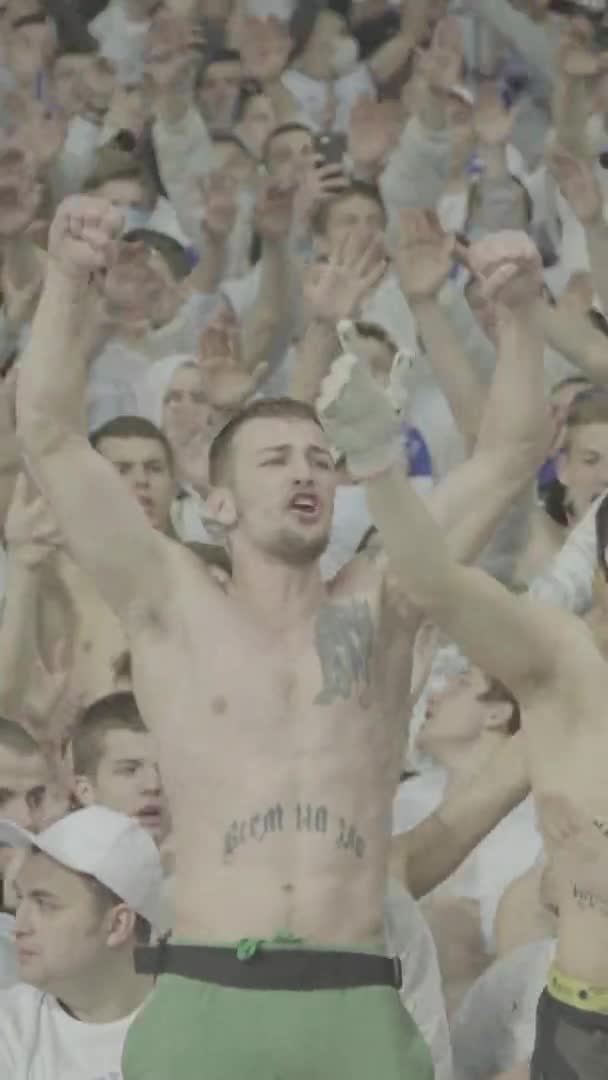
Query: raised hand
(335,289)
(173,49)
(425,254)
(274,211)
(316,184)
(508,267)
(576,57)
(578,184)
(359,418)
(228,385)
(417,19)
(220,207)
(493,123)
(372,132)
(83,238)
(191,453)
(30,531)
(441,65)
(49,706)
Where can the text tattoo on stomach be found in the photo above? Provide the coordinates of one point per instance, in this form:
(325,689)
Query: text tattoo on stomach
(301,818)
(595,899)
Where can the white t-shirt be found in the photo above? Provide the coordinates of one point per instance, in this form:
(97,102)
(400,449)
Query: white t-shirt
(312,94)
(40,1041)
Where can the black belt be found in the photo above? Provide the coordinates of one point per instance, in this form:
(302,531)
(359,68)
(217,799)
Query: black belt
(270,969)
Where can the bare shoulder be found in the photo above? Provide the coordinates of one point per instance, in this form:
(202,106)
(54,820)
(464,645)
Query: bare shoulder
(396,619)
(363,576)
(370,564)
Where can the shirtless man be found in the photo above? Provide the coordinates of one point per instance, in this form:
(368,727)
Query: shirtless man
(277,708)
(550,663)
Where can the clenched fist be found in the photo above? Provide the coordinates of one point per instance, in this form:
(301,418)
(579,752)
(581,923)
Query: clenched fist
(83,239)
(509,268)
(359,418)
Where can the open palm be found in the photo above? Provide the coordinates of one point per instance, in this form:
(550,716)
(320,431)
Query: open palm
(336,289)
(578,185)
(493,122)
(425,254)
(228,384)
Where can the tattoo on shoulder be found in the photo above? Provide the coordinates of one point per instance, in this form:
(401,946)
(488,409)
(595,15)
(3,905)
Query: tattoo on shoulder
(344,638)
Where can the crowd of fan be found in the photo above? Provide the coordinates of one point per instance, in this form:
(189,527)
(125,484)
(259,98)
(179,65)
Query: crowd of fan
(283,166)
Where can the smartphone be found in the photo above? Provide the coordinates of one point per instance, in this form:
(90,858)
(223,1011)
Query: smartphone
(331,147)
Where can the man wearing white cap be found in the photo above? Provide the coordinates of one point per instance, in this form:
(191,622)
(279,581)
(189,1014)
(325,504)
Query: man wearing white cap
(87,892)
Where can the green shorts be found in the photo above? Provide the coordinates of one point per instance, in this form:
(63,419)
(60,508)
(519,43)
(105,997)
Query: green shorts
(193,1030)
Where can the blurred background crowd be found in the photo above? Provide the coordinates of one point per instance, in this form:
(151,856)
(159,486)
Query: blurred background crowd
(267,156)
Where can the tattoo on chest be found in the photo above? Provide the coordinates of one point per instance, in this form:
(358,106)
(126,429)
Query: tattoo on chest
(344,638)
(315,820)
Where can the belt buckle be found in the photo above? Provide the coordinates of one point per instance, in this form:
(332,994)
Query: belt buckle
(397,972)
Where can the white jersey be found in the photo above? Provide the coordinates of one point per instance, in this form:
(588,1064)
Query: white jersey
(39,1040)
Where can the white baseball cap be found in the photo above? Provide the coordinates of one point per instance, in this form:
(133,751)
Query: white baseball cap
(106,845)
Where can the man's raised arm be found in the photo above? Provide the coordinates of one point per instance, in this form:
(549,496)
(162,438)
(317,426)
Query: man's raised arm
(429,853)
(508,637)
(105,528)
